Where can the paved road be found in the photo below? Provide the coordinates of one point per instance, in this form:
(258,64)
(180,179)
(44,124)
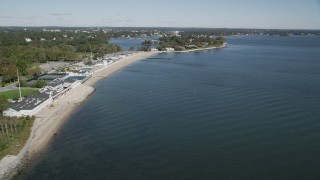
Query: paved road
(13,87)
(7,88)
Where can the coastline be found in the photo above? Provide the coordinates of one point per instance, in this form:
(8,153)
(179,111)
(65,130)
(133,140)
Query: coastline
(50,119)
(200,49)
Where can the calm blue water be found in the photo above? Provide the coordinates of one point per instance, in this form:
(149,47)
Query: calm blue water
(248,111)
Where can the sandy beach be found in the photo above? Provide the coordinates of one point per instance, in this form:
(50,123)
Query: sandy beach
(108,70)
(50,119)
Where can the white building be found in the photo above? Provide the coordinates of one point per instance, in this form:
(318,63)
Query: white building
(28,39)
(169,49)
(36,102)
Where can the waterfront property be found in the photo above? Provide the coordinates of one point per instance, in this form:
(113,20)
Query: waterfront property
(48,78)
(34,103)
(169,49)
(86,70)
(58,85)
(112,58)
(29,106)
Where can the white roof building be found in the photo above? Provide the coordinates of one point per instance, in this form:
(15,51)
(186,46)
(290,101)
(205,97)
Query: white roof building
(28,39)
(36,102)
(169,49)
(29,106)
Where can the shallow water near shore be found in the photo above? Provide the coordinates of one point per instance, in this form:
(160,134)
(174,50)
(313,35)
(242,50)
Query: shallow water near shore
(248,111)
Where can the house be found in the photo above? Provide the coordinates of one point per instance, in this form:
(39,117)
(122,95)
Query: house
(28,39)
(60,86)
(169,49)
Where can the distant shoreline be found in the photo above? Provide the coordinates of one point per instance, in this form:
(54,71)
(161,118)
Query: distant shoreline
(200,49)
(50,120)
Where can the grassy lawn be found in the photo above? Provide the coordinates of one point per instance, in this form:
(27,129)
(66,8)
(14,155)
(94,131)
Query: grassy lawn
(12,143)
(14,94)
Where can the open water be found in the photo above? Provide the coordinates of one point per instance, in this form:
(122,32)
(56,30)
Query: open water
(248,111)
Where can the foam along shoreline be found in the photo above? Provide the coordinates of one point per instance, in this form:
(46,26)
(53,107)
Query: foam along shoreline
(49,120)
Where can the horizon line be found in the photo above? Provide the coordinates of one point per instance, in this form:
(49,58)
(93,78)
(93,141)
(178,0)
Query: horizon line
(177,27)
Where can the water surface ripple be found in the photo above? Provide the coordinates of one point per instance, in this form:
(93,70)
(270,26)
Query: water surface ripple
(248,111)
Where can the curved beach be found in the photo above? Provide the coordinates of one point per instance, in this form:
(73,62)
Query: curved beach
(50,119)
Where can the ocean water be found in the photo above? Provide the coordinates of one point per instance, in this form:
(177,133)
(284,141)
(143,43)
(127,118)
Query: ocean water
(248,111)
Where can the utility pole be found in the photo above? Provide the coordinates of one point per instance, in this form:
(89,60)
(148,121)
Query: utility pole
(90,53)
(19,83)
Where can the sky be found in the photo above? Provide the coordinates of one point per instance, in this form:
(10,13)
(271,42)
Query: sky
(264,14)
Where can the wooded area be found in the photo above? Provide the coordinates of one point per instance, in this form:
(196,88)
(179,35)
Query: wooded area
(190,42)
(24,49)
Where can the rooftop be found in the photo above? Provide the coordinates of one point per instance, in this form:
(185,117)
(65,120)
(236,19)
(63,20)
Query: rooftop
(31,102)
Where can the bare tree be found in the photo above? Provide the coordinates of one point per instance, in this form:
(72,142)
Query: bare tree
(10,122)
(6,126)
(15,122)
(2,127)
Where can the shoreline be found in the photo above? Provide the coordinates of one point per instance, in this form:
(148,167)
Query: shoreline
(200,49)
(68,103)
(50,119)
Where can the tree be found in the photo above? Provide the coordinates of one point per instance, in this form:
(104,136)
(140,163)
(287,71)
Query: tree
(22,67)
(34,71)
(144,48)
(3,107)
(40,84)
(3,103)
(131,48)
(23,83)
(146,43)
(15,121)
(89,62)
(8,70)
(2,124)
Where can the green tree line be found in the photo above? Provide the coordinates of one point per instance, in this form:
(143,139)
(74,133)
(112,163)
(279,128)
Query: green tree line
(190,41)
(17,53)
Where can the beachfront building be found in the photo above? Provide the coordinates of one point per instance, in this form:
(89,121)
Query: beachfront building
(58,87)
(84,71)
(169,49)
(29,106)
(34,103)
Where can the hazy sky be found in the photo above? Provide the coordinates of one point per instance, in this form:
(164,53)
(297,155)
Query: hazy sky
(287,14)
